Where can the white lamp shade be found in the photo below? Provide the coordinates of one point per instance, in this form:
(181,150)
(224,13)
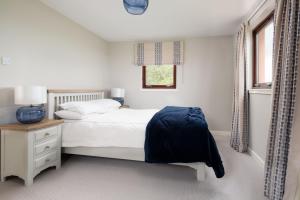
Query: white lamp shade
(117,92)
(30,95)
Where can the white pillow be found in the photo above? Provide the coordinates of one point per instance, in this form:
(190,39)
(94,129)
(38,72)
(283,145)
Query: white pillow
(66,114)
(107,103)
(97,106)
(83,108)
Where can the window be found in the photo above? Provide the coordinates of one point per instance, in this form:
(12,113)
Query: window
(263,49)
(159,76)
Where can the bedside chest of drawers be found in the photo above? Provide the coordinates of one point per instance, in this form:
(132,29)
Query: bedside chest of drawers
(28,149)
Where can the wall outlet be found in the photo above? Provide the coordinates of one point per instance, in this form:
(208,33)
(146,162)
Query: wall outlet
(5,60)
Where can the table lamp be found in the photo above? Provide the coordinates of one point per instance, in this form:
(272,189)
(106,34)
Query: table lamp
(118,94)
(32,98)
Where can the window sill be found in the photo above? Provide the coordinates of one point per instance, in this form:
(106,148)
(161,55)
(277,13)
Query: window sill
(261,91)
(159,90)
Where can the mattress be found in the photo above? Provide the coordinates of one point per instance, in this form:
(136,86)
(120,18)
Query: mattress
(119,128)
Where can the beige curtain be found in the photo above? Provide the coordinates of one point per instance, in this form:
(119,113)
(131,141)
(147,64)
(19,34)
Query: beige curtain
(286,61)
(239,132)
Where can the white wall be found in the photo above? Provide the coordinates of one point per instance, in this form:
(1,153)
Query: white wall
(46,46)
(259,123)
(47,49)
(205,80)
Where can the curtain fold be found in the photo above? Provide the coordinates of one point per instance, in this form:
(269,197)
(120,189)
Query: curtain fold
(239,132)
(159,53)
(286,61)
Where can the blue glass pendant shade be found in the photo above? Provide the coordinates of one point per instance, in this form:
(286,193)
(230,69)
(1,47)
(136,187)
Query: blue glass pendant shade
(135,7)
(30,114)
(119,99)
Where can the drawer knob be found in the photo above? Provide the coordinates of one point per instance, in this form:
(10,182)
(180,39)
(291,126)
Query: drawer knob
(47,147)
(47,134)
(47,160)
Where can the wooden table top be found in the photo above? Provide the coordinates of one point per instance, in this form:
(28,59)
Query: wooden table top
(29,127)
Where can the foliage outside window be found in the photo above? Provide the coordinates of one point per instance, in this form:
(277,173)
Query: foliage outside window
(159,76)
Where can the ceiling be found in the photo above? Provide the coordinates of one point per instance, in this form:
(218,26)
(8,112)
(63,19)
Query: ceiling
(164,19)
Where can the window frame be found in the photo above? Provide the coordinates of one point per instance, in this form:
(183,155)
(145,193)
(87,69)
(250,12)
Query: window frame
(158,86)
(259,27)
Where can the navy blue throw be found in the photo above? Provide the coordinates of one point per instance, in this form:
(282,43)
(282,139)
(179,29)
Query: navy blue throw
(180,134)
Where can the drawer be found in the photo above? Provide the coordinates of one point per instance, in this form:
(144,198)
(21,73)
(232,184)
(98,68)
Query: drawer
(45,133)
(45,160)
(46,146)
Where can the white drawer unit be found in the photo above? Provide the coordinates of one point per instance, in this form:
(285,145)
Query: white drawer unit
(45,160)
(46,146)
(45,134)
(26,150)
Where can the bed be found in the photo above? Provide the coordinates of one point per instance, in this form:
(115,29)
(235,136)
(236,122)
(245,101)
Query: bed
(122,131)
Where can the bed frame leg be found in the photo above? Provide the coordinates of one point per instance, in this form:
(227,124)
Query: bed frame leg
(201,175)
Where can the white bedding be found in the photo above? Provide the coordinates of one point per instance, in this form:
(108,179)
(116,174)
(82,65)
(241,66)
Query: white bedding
(119,128)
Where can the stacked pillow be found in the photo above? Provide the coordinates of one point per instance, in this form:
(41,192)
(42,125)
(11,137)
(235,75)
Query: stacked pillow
(79,110)
(66,114)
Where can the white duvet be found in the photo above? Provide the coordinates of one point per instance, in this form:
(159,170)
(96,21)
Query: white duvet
(119,128)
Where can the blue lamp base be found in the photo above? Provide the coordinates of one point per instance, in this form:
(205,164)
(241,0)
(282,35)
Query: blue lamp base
(30,114)
(119,99)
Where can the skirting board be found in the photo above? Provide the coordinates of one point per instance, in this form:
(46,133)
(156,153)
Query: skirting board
(256,157)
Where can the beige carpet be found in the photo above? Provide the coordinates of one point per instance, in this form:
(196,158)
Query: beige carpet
(86,178)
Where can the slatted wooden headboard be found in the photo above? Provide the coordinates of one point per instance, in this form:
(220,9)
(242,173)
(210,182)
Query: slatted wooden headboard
(57,97)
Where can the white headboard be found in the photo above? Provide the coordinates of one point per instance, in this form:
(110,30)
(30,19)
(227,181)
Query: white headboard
(57,97)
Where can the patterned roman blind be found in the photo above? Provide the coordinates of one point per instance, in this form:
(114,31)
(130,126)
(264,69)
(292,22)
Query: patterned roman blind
(159,53)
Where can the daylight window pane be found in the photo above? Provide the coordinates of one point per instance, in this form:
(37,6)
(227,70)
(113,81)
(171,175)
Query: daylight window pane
(261,56)
(268,52)
(264,51)
(159,75)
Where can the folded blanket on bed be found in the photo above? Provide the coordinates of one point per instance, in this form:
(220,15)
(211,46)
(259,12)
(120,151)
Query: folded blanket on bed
(180,134)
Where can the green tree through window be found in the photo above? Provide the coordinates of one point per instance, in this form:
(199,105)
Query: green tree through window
(159,76)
